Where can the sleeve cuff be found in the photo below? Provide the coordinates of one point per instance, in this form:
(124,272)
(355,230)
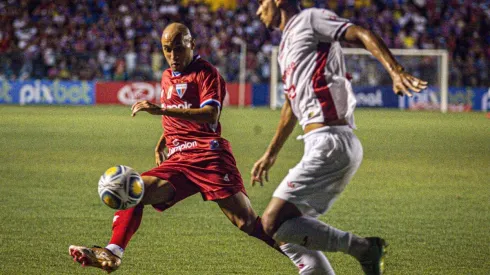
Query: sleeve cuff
(340,31)
(212,102)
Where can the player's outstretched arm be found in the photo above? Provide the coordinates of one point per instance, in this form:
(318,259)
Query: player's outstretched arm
(402,81)
(285,128)
(206,114)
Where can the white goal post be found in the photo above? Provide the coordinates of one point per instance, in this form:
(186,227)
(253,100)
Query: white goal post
(441,71)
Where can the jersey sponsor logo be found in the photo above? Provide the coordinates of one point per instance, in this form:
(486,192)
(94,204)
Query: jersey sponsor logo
(137,91)
(226,178)
(181,88)
(179,147)
(185,105)
(175,142)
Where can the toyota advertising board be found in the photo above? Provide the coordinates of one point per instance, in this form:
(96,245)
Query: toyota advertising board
(126,93)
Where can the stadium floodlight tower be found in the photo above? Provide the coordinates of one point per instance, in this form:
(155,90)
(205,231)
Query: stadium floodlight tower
(427,64)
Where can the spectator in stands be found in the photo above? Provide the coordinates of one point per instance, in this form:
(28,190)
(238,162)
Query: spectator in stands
(44,31)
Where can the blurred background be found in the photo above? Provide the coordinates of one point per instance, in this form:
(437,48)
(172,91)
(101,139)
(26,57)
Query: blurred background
(120,40)
(99,40)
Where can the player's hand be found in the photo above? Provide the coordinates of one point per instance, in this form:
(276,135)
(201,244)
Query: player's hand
(160,157)
(147,107)
(261,169)
(403,82)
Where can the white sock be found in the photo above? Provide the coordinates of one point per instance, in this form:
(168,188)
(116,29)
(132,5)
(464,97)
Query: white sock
(309,262)
(313,234)
(115,249)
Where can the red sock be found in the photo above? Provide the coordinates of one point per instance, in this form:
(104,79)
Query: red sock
(259,233)
(125,224)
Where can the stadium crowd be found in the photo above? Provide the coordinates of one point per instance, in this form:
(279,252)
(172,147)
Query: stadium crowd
(120,39)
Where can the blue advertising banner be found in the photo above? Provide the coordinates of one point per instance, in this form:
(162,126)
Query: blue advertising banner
(260,94)
(480,98)
(460,99)
(375,96)
(47,92)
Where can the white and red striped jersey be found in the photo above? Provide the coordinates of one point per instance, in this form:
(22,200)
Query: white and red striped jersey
(313,68)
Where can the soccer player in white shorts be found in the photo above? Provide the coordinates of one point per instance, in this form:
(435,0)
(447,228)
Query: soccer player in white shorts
(320,98)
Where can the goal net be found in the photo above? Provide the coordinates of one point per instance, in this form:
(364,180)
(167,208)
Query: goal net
(373,86)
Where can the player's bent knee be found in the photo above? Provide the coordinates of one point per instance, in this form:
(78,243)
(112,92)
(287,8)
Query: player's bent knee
(157,191)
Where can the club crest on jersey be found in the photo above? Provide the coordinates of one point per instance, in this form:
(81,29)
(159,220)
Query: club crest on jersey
(181,88)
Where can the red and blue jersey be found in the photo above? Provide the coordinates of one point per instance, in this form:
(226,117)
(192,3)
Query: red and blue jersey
(198,85)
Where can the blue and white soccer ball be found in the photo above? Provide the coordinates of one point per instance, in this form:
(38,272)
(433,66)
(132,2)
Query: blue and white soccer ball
(121,187)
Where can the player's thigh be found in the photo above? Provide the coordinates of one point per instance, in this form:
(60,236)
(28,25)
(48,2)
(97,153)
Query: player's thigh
(277,212)
(238,209)
(157,190)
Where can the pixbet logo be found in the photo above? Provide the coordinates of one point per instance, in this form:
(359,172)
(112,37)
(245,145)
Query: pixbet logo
(179,147)
(137,91)
(55,93)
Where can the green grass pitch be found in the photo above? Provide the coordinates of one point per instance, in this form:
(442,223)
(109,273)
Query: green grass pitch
(424,185)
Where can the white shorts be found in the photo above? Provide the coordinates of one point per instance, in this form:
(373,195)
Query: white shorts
(332,156)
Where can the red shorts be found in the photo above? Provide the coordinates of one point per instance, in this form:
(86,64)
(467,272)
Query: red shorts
(213,174)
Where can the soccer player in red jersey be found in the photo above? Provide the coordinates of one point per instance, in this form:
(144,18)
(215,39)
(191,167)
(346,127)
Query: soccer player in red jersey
(199,160)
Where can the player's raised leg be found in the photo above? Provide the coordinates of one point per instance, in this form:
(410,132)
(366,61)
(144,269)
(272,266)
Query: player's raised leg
(124,226)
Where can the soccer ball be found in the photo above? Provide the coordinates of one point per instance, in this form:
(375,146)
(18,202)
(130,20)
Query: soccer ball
(121,187)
